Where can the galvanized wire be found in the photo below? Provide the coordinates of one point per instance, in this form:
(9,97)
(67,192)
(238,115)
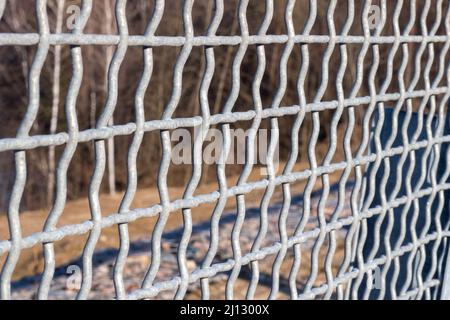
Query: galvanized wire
(354,276)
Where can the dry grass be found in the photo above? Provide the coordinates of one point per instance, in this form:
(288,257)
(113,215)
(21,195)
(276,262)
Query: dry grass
(70,248)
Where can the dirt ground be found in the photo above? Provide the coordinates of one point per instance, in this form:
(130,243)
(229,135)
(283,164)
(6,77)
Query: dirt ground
(69,248)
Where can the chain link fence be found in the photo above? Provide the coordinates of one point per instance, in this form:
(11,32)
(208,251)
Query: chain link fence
(394,239)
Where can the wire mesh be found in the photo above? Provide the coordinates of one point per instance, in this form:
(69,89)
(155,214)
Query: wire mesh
(384,195)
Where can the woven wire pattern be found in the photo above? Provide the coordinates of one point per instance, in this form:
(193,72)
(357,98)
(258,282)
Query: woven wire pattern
(355,268)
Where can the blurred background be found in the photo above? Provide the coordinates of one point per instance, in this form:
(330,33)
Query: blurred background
(38,196)
(15,62)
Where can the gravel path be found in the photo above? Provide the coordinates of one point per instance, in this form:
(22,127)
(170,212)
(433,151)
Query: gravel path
(65,283)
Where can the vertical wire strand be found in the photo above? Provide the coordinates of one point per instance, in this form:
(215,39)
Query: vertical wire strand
(311,182)
(389,143)
(386,161)
(229,104)
(403,157)
(429,134)
(256,94)
(292,159)
(100,160)
(215,218)
(330,154)
(444,268)
(274,137)
(302,223)
(410,170)
(66,158)
(360,239)
(200,136)
(437,151)
(130,191)
(412,154)
(20,161)
(348,252)
(166,145)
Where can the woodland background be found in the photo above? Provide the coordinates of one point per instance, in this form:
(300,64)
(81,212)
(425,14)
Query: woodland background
(15,62)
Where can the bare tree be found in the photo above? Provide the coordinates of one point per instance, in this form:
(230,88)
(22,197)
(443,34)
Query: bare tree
(56,89)
(2,7)
(18,17)
(15,63)
(109,55)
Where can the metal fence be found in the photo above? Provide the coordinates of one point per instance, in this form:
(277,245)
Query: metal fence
(399,221)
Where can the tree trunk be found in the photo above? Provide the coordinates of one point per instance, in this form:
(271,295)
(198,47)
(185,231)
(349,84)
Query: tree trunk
(109,55)
(2,8)
(93,103)
(223,74)
(55,103)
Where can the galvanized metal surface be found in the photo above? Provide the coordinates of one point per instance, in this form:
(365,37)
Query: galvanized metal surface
(356,271)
